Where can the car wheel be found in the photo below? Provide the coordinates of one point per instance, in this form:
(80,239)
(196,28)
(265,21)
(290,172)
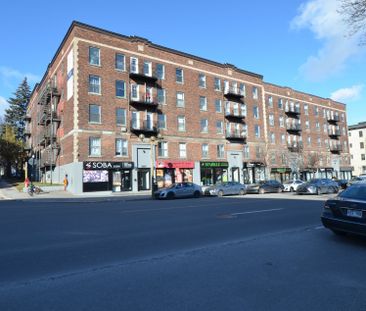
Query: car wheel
(220,193)
(261,191)
(196,194)
(279,190)
(170,195)
(317,191)
(291,189)
(241,192)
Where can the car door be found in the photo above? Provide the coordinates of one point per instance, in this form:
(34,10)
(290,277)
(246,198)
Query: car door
(179,190)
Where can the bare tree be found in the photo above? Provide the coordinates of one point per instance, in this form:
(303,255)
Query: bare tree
(312,160)
(354,12)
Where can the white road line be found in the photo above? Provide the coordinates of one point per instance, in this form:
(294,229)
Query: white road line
(253,212)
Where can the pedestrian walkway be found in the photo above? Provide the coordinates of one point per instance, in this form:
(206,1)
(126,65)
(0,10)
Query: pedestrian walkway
(9,192)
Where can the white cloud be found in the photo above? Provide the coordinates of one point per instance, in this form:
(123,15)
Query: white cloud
(347,94)
(10,73)
(3,101)
(322,18)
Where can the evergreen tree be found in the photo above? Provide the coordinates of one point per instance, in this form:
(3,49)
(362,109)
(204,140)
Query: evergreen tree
(15,114)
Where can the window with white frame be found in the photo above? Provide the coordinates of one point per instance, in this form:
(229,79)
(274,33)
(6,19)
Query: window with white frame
(270,101)
(257,131)
(162,120)
(135,91)
(203,103)
(94,56)
(120,88)
(306,109)
(317,125)
(160,71)
(94,114)
(242,89)
(95,146)
(147,68)
(319,142)
(246,153)
(219,127)
(280,103)
(204,151)
(120,62)
(243,108)
(161,96)
(255,92)
(272,138)
(218,105)
(220,151)
(256,112)
(179,75)
(94,84)
(217,85)
(283,138)
(307,124)
(134,65)
(325,128)
(180,99)
(181,123)
(316,111)
(204,125)
(121,116)
(121,147)
(202,80)
(271,119)
(282,121)
(345,146)
(309,140)
(182,150)
(273,158)
(163,149)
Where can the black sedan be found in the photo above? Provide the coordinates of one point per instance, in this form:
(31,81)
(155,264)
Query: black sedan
(265,186)
(346,213)
(318,186)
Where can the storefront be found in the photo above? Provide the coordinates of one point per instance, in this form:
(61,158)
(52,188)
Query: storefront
(282,174)
(107,176)
(213,172)
(308,174)
(345,173)
(326,172)
(253,172)
(168,172)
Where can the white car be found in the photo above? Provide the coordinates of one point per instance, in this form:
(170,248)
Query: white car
(291,185)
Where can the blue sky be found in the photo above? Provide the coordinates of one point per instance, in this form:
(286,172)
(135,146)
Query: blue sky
(301,44)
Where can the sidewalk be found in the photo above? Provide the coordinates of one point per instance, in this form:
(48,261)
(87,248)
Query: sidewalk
(8,192)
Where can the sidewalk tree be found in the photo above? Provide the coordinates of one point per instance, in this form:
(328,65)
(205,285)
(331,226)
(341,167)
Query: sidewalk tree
(354,12)
(15,114)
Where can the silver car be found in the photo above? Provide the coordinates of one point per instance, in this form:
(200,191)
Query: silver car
(226,188)
(179,190)
(292,185)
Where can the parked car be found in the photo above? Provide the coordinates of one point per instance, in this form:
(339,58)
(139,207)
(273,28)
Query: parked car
(179,190)
(318,186)
(292,185)
(346,212)
(342,183)
(265,186)
(225,188)
(358,179)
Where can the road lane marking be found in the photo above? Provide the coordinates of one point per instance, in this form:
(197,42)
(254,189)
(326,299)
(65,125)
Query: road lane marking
(253,212)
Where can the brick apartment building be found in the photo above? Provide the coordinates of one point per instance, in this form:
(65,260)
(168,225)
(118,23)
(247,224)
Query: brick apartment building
(112,111)
(357,145)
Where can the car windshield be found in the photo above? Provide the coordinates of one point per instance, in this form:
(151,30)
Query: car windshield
(314,181)
(355,192)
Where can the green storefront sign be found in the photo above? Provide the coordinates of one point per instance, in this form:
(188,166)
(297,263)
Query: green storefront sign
(214,164)
(281,170)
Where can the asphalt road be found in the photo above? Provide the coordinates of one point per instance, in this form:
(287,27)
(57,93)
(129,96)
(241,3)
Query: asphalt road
(232,253)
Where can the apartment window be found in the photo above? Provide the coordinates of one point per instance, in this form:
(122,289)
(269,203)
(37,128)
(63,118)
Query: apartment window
(343,131)
(218,105)
(120,88)
(309,140)
(181,123)
(280,103)
(283,138)
(325,128)
(350,145)
(179,75)
(317,125)
(120,62)
(243,108)
(161,96)
(203,103)
(273,158)
(95,146)
(319,142)
(94,84)
(160,71)
(326,143)
(134,65)
(246,154)
(360,134)
(135,91)
(121,147)
(272,138)
(180,99)
(202,80)
(342,117)
(182,150)
(162,120)
(257,131)
(94,56)
(121,116)
(324,113)
(281,121)
(163,149)
(363,157)
(258,152)
(362,145)
(94,114)
(316,111)
(217,84)
(256,112)
(270,101)
(345,147)
(148,69)
(204,125)
(271,119)
(255,92)
(242,89)
(306,109)
(307,124)
(204,150)
(219,127)
(220,151)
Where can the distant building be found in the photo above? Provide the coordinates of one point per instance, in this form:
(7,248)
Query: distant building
(112,111)
(357,143)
